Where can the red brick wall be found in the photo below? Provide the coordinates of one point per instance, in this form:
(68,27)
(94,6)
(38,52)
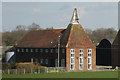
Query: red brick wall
(77,58)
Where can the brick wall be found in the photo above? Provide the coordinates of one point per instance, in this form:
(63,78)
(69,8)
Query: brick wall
(85,58)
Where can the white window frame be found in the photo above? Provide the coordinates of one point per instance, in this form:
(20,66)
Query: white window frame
(32,60)
(56,50)
(62,62)
(36,50)
(72,51)
(26,50)
(46,61)
(41,61)
(63,51)
(31,50)
(81,57)
(18,50)
(36,60)
(41,50)
(22,50)
(89,53)
(46,50)
(56,62)
(51,50)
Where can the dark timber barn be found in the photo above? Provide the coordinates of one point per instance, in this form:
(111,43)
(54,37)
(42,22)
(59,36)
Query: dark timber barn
(116,51)
(103,53)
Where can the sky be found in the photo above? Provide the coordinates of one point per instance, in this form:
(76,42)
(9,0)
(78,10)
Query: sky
(92,15)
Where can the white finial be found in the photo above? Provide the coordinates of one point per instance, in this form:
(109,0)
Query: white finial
(75,19)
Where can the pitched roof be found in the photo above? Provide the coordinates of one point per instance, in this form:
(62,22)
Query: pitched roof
(117,39)
(41,38)
(75,36)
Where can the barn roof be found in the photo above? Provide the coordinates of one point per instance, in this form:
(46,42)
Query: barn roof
(41,38)
(117,39)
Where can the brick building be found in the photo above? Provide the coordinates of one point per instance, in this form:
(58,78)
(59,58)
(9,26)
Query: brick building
(76,50)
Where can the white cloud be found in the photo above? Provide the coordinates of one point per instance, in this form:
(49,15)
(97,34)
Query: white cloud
(36,10)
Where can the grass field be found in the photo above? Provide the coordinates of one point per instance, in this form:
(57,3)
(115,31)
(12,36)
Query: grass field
(100,74)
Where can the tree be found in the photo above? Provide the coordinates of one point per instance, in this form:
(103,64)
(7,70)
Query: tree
(20,27)
(51,28)
(34,26)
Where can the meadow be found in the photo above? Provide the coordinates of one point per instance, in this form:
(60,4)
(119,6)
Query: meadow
(86,74)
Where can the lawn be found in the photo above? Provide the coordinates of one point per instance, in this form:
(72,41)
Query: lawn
(100,74)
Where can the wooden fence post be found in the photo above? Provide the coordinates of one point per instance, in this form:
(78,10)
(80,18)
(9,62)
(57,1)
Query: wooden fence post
(16,71)
(38,70)
(24,70)
(47,70)
(31,71)
(8,71)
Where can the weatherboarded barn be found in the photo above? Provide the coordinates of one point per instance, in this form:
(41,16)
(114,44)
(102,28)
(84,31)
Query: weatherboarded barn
(103,53)
(116,51)
(77,51)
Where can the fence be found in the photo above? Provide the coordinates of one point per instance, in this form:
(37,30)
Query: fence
(35,71)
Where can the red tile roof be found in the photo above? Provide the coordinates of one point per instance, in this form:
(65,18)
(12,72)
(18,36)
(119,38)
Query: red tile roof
(73,36)
(41,38)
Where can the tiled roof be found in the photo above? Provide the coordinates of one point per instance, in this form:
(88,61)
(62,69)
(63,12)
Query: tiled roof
(73,36)
(117,39)
(41,38)
(78,37)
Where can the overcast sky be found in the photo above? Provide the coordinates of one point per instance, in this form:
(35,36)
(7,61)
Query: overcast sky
(58,14)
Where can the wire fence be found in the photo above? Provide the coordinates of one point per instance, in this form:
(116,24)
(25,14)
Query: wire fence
(35,71)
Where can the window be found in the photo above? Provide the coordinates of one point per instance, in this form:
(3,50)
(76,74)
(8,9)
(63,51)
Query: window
(51,50)
(36,50)
(26,50)
(72,59)
(72,50)
(41,50)
(46,50)
(36,60)
(31,50)
(62,62)
(89,59)
(46,61)
(22,50)
(89,50)
(32,60)
(56,50)
(81,59)
(56,62)
(18,50)
(72,66)
(41,61)
(63,50)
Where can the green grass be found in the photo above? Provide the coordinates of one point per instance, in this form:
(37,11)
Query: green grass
(100,74)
